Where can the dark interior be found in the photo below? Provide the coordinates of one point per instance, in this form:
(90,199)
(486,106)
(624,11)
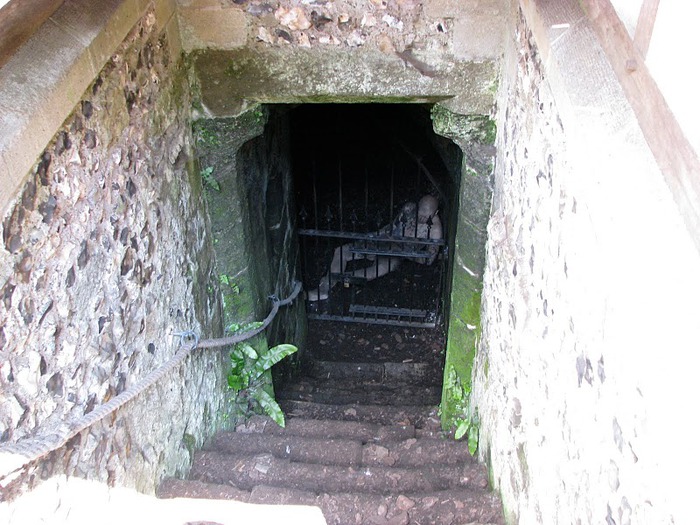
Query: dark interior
(354,166)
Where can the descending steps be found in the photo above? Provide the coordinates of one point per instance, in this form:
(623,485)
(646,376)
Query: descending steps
(362,442)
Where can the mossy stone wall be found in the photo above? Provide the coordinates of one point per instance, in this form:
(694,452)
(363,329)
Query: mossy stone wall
(247,179)
(474,134)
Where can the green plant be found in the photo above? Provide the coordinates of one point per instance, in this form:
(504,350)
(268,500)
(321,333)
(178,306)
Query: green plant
(248,379)
(461,400)
(209,180)
(207,136)
(225,280)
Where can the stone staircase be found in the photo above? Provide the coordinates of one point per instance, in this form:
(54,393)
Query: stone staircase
(362,442)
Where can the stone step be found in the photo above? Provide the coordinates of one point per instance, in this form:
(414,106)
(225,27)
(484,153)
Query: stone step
(388,373)
(294,448)
(349,392)
(343,452)
(450,507)
(245,472)
(328,429)
(420,416)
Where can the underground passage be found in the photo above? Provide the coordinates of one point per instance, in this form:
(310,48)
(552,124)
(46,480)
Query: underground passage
(382,262)
(357,169)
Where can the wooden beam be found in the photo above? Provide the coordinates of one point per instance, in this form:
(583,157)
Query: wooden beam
(645,26)
(675,156)
(19,19)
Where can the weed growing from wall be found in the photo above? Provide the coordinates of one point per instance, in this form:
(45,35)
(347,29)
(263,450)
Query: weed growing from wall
(208,178)
(459,398)
(249,378)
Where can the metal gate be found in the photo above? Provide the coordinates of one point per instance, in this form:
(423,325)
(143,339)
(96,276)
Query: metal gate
(370,261)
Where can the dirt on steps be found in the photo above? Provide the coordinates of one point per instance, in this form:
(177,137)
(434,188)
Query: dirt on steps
(360,393)
(421,416)
(448,507)
(363,442)
(350,452)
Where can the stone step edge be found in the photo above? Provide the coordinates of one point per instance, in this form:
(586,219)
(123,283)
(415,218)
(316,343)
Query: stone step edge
(246,471)
(328,429)
(417,415)
(386,506)
(409,452)
(414,373)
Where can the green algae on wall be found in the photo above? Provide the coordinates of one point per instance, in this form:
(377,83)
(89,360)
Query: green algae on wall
(247,183)
(479,129)
(475,135)
(218,142)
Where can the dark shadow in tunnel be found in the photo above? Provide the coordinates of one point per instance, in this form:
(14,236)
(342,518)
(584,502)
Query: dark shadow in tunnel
(354,167)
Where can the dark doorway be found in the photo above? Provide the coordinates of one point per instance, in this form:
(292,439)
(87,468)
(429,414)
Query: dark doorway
(357,169)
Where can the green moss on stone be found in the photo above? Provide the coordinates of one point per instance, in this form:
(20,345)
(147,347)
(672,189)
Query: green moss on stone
(190,443)
(463,128)
(462,339)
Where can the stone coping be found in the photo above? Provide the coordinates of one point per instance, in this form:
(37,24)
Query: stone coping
(229,78)
(45,79)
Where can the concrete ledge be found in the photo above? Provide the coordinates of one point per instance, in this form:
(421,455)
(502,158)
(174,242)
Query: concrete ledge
(285,76)
(636,117)
(44,80)
(18,21)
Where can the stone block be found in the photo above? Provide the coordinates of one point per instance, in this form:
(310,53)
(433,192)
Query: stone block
(446,8)
(33,109)
(165,9)
(479,35)
(195,4)
(85,24)
(460,8)
(120,21)
(213,28)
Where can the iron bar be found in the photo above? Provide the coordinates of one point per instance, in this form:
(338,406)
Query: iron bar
(315,194)
(371,320)
(340,195)
(392,253)
(368,236)
(391,196)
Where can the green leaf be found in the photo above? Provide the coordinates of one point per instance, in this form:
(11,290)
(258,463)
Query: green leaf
(269,405)
(247,350)
(233,328)
(462,428)
(273,355)
(209,180)
(473,439)
(236,382)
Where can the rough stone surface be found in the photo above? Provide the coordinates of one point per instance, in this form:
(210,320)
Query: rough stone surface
(44,79)
(299,75)
(414,31)
(588,355)
(220,29)
(105,254)
(249,192)
(347,51)
(366,473)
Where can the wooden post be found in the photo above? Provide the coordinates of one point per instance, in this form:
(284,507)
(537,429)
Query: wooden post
(675,156)
(645,26)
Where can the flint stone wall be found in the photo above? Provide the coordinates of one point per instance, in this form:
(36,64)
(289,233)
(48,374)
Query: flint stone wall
(105,253)
(585,370)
